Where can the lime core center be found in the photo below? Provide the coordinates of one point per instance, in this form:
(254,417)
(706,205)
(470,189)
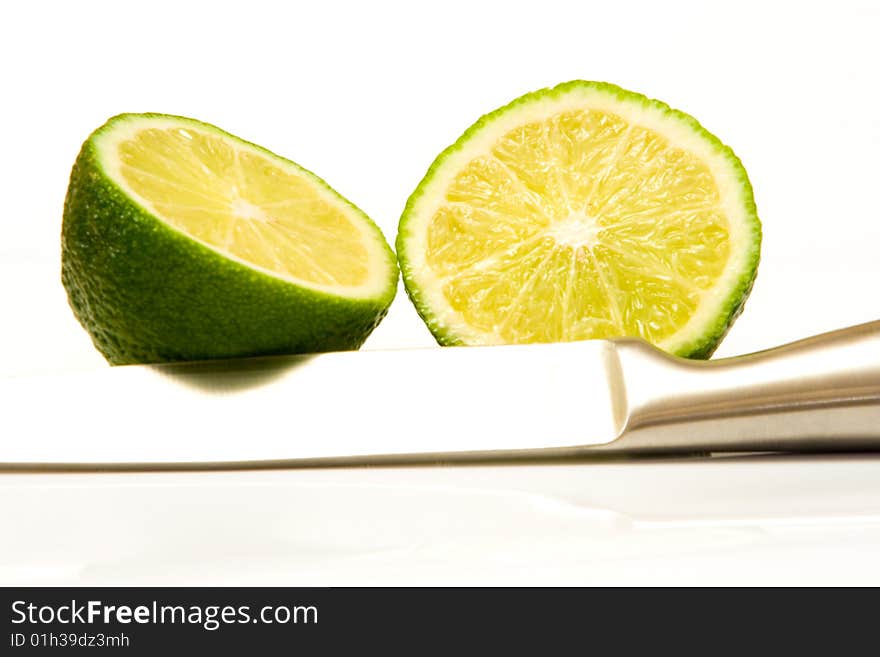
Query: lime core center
(246,210)
(575,231)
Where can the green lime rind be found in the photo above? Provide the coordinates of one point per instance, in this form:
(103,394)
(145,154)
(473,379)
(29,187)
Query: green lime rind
(148,293)
(704,342)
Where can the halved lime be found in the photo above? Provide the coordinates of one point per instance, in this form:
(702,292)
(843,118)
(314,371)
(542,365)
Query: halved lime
(582,211)
(181,241)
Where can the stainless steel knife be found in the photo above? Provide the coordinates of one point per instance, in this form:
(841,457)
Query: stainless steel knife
(446,404)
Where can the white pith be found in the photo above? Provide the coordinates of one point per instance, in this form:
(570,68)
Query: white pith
(126,127)
(579,230)
(246,210)
(576,231)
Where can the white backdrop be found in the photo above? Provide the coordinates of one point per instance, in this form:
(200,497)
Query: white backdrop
(366,94)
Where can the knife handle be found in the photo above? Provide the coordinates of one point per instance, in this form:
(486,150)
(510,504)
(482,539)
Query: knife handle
(818,394)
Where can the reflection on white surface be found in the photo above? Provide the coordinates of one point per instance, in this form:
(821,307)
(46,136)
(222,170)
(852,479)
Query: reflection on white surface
(746,520)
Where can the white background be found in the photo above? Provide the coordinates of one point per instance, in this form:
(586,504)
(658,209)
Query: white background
(366,94)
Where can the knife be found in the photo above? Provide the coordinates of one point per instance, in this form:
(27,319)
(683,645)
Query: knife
(448,404)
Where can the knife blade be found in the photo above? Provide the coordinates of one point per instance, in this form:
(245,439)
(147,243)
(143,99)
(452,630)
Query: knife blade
(346,404)
(451,403)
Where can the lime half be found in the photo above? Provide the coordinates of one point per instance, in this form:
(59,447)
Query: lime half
(181,241)
(582,211)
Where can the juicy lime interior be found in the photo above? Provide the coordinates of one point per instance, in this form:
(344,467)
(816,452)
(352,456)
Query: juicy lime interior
(239,201)
(578,225)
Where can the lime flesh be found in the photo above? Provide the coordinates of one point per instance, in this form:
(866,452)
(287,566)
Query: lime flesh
(181,241)
(582,211)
